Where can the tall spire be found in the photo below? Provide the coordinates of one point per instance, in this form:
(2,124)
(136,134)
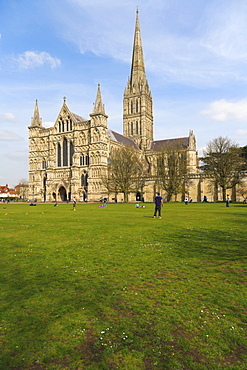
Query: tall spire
(138,104)
(36,120)
(138,68)
(98,106)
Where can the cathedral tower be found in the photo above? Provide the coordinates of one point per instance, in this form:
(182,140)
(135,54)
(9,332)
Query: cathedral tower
(138,105)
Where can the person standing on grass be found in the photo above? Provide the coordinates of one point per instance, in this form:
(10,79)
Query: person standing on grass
(74,204)
(158,204)
(228,201)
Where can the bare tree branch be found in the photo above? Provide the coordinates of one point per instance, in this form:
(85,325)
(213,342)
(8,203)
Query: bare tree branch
(172,170)
(222,162)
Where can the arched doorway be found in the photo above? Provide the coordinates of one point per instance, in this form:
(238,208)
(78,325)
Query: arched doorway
(138,196)
(63,194)
(54,196)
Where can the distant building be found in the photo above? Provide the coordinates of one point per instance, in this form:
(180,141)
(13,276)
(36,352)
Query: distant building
(68,159)
(6,192)
(22,191)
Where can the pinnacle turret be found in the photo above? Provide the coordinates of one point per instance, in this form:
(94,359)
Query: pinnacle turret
(36,120)
(99,106)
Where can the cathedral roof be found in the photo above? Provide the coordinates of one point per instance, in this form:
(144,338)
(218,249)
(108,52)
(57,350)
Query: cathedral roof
(181,143)
(79,118)
(115,136)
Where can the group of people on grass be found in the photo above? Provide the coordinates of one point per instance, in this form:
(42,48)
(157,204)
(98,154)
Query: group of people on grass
(158,201)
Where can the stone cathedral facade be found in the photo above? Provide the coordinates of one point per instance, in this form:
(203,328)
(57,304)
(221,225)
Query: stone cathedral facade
(68,159)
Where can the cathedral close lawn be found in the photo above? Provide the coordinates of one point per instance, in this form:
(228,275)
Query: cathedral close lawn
(112,288)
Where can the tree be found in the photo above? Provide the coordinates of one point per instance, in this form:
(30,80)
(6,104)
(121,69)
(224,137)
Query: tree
(244,152)
(126,171)
(108,181)
(23,182)
(242,190)
(222,162)
(172,170)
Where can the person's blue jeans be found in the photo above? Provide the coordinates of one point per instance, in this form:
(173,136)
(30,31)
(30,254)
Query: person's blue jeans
(157,209)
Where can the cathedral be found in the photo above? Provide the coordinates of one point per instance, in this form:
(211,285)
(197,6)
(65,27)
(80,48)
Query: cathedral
(67,160)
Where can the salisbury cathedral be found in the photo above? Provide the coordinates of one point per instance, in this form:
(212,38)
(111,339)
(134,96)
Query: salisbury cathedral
(67,160)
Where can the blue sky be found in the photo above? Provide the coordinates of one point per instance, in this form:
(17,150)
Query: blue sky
(195,58)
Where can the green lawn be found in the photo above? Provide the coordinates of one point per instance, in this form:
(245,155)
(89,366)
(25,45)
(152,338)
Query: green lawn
(113,288)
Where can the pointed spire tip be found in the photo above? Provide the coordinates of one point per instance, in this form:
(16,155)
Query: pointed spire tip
(36,120)
(98,106)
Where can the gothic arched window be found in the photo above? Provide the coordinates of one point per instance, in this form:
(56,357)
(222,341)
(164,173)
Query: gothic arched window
(58,155)
(71,153)
(82,180)
(136,128)
(65,152)
(82,160)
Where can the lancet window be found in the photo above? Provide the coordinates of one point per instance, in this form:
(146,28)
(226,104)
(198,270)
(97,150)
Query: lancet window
(44,165)
(84,160)
(131,128)
(65,152)
(59,162)
(71,153)
(84,179)
(64,125)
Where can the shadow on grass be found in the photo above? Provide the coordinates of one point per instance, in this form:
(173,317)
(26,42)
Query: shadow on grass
(214,244)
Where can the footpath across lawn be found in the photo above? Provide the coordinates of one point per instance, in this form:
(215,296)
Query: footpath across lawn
(113,288)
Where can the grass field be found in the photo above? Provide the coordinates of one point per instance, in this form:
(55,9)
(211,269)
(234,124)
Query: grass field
(113,288)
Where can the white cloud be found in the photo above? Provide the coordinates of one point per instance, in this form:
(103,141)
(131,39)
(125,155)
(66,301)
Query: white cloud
(9,136)
(242,132)
(47,124)
(9,117)
(201,150)
(20,156)
(222,110)
(226,29)
(32,59)
(242,136)
(193,44)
